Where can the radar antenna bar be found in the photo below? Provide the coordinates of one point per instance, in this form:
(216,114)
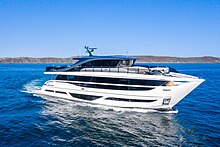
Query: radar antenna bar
(89,50)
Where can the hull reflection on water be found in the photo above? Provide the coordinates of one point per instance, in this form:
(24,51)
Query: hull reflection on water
(91,125)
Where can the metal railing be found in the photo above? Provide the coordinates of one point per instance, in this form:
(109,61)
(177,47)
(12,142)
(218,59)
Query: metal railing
(133,70)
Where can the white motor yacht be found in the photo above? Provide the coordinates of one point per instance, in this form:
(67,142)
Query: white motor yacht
(117,82)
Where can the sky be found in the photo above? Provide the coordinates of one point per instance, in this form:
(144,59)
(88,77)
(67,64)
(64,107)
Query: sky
(61,28)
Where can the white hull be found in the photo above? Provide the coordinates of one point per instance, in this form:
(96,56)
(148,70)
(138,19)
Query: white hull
(160,97)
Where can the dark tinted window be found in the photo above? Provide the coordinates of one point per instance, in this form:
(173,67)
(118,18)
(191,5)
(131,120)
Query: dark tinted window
(112,80)
(61,77)
(49,90)
(61,92)
(113,87)
(84,96)
(70,77)
(65,77)
(103,63)
(120,81)
(128,100)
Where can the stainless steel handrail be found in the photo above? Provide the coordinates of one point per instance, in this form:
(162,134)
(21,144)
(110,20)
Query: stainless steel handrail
(111,69)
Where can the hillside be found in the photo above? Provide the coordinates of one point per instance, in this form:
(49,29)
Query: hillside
(149,59)
(167,59)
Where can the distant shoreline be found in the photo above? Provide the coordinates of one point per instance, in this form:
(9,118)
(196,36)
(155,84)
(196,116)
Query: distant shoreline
(141,59)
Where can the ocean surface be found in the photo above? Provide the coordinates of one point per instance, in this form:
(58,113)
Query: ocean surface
(29,120)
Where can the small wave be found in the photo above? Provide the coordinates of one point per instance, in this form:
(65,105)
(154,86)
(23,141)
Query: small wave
(32,86)
(140,110)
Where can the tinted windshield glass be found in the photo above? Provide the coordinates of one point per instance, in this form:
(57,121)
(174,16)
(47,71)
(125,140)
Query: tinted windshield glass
(103,63)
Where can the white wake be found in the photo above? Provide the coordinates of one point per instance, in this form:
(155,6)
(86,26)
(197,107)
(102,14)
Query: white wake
(32,86)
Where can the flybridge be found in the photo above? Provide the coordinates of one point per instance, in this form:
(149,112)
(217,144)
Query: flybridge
(116,64)
(95,62)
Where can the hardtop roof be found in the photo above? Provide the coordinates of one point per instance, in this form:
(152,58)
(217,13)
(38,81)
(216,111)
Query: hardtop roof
(105,57)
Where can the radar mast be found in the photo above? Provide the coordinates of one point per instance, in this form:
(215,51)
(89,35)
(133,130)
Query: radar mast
(89,50)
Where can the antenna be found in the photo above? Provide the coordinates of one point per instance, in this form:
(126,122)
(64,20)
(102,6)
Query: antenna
(89,50)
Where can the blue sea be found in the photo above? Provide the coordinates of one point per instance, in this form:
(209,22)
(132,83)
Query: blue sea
(30,120)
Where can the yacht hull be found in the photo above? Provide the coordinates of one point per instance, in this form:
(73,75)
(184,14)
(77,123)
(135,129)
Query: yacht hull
(159,97)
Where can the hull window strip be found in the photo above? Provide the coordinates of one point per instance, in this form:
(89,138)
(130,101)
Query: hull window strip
(61,92)
(49,90)
(112,80)
(85,96)
(112,87)
(129,100)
